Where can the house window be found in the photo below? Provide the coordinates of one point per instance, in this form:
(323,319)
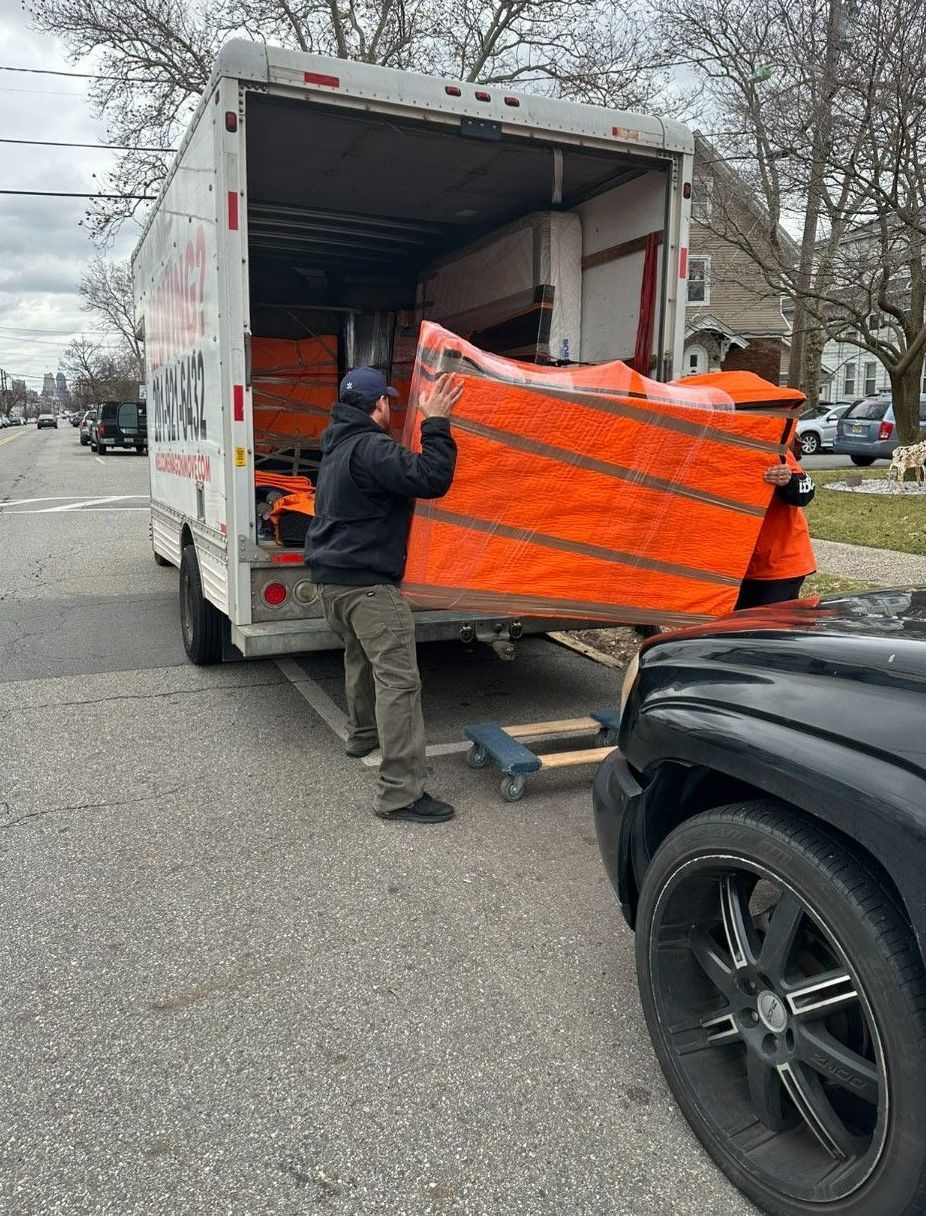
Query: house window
(848,386)
(702,199)
(871,378)
(874,321)
(699,280)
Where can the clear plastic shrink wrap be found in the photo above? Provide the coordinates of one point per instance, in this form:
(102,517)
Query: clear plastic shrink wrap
(593,493)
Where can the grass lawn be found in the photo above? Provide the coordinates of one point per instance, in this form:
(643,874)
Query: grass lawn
(834,584)
(866,519)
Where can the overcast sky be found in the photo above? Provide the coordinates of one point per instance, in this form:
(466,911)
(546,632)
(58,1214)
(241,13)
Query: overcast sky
(42,249)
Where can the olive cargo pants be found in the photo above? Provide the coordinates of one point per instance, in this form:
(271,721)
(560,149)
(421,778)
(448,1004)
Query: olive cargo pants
(382,682)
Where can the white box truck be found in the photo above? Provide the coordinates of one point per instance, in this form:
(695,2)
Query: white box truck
(322,196)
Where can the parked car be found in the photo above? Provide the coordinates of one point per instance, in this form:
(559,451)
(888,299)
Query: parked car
(119,424)
(764,826)
(816,430)
(75,418)
(85,424)
(45,420)
(867,432)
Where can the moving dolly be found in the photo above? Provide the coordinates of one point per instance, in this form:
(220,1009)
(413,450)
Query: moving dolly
(502,746)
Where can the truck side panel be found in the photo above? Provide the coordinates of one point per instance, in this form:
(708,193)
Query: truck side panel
(177,297)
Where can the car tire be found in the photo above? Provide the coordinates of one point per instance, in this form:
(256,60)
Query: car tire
(810,443)
(201,623)
(805,1096)
(100,450)
(863,461)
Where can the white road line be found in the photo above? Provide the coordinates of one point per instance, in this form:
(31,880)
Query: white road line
(333,717)
(83,511)
(87,502)
(100,459)
(315,695)
(21,502)
(433,749)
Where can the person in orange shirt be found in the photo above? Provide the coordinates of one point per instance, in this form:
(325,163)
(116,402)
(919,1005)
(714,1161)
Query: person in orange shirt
(783,556)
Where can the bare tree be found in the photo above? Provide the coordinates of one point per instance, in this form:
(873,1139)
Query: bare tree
(106,291)
(156,56)
(821,105)
(79,363)
(96,373)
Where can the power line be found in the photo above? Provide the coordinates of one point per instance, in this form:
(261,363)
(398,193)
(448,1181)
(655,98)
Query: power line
(15,340)
(42,92)
(56,72)
(84,333)
(56,143)
(70,194)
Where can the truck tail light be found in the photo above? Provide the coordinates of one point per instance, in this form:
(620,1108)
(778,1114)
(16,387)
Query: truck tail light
(885,431)
(274,594)
(101,430)
(453,90)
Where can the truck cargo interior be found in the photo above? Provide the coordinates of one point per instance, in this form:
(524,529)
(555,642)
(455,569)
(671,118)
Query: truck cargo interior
(360,226)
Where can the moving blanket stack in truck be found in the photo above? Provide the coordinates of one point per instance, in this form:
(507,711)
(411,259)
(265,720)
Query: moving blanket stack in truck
(287,245)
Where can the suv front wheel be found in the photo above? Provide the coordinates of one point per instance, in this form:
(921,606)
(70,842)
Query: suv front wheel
(785,997)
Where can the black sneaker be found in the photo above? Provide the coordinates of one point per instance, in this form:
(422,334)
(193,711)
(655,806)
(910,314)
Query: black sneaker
(423,810)
(358,748)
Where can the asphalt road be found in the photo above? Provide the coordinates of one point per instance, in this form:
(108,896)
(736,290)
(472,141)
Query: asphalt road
(826,460)
(226,987)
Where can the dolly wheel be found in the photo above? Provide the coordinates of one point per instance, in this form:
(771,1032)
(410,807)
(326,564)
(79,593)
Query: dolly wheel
(477,757)
(513,787)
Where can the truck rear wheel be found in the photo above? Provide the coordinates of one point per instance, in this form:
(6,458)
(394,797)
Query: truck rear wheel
(200,621)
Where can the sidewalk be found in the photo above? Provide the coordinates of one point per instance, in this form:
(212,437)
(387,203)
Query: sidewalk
(885,566)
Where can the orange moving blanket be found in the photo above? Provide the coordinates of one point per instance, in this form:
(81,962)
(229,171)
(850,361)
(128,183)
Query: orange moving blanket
(593,493)
(295,386)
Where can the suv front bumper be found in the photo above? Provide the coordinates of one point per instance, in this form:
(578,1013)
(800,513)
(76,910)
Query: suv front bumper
(617,798)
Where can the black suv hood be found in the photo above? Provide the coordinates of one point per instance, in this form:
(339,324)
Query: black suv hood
(888,614)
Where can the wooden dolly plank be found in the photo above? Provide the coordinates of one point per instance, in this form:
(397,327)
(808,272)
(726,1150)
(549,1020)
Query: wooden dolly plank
(502,745)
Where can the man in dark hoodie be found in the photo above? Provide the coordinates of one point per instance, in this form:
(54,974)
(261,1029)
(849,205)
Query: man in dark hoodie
(356,551)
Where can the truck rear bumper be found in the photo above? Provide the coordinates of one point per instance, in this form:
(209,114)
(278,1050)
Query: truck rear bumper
(270,638)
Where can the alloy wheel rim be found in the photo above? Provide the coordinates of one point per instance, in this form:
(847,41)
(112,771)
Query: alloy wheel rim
(763,1016)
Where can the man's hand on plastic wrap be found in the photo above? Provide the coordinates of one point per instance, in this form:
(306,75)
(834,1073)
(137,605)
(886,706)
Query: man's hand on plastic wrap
(442,397)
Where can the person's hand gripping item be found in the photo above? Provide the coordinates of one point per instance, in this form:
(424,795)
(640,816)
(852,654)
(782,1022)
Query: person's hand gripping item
(443,395)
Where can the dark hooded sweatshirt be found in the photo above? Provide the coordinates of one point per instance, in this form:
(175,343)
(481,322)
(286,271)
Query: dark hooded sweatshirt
(365,493)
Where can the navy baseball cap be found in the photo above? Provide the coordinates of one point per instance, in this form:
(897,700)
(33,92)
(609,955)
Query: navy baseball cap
(368,382)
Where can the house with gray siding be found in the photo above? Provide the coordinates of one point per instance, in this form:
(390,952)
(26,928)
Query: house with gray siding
(734,319)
